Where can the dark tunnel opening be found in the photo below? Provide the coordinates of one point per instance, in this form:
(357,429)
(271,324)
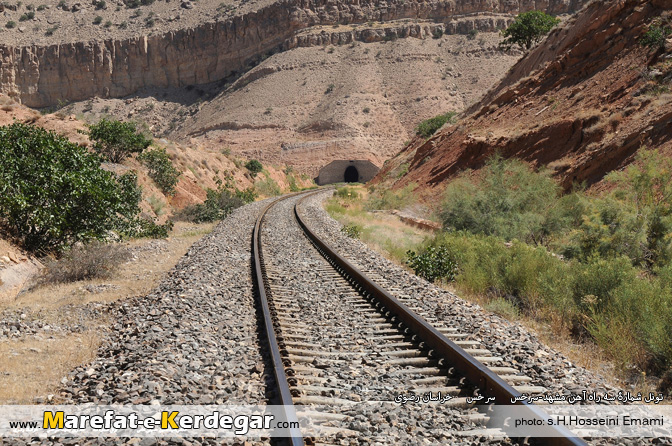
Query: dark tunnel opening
(351,175)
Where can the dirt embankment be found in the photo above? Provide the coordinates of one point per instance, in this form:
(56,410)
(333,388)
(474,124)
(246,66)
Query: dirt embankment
(583,103)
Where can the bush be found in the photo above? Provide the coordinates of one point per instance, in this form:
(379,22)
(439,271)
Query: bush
(254,167)
(95,260)
(143,228)
(117,140)
(433,264)
(655,37)
(161,169)
(352,230)
(471,35)
(268,187)
(11,24)
(510,201)
(218,205)
(98,20)
(293,186)
(53,193)
(528,29)
(247,196)
(389,199)
(346,193)
(429,126)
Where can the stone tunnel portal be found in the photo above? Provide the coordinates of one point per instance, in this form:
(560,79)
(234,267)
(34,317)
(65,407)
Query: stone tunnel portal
(348,171)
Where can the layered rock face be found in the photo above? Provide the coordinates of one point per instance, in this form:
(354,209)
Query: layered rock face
(40,76)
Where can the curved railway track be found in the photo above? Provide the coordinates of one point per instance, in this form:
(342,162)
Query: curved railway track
(337,339)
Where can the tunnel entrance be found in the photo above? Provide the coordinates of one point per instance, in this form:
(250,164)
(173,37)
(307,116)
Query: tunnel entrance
(351,175)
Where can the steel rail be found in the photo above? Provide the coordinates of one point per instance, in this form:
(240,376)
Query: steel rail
(439,345)
(284,394)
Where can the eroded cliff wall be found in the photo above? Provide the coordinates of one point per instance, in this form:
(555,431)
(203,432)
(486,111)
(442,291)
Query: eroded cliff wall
(41,76)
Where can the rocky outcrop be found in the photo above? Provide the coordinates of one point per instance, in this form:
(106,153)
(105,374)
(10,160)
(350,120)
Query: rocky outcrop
(461,25)
(40,76)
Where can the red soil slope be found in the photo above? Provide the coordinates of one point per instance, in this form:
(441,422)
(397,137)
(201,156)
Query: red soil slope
(583,102)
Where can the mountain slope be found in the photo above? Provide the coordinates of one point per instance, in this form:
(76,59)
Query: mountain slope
(583,102)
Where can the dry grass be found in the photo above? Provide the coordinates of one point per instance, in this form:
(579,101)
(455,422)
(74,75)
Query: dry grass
(30,366)
(383,232)
(133,278)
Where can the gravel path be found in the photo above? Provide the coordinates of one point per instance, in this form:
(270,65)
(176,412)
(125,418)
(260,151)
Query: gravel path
(344,352)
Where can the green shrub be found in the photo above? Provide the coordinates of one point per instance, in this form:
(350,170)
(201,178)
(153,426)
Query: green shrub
(218,205)
(27,16)
(433,264)
(388,199)
(429,126)
(471,35)
(291,180)
(144,228)
(528,29)
(352,230)
(254,167)
(247,195)
(268,187)
(98,20)
(94,260)
(11,24)
(504,308)
(509,201)
(347,193)
(53,193)
(117,140)
(161,169)
(655,37)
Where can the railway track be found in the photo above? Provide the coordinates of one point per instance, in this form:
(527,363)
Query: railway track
(340,342)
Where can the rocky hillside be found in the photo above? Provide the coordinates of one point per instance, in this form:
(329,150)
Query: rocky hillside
(583,102)
(58,52)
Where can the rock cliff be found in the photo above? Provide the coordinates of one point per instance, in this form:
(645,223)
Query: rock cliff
(41,76)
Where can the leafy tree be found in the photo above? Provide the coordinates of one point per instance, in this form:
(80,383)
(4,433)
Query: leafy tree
(161,169)
(54,193)
(117,140)
(528,29)
(254,167)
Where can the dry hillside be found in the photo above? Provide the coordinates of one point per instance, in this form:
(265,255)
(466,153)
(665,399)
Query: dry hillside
(583,102)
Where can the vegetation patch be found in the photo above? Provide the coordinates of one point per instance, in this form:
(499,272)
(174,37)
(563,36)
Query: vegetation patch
(161,169)
(53,193)
(116,140)
(600,267)
(95,260)
(429,126)
(528,29)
